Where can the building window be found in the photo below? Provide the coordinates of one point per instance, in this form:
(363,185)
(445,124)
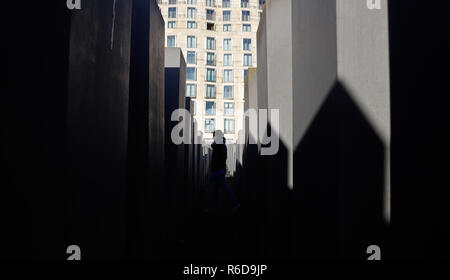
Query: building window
(192,2)
(261,4)
(171,24)
(191,12)
(191,24)
(210,91)
(172,2)
(210,3)
(248,60)
(247,44)
(210,26)
(210,14)
(245,73)
(171,41)
(228,76)
(226,4)
(228,108)
(210,43)
(226,15)
(191,90)
(229,126)
(227,60)
(191,74)
(228,92)
(210,75)
(191,57)
(227,44)
(210,108)
(191,42)
(244,4)
(245,15)
(172,12)
(210,125)
(246,28)
(211,59)
(226,27)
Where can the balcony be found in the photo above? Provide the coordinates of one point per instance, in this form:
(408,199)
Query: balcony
(210,15)
(210,26)
(211,62)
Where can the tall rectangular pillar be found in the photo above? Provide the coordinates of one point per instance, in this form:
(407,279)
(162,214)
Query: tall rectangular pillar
(116,128)
(175,183)
(98,96)
(146,134)
(325,65)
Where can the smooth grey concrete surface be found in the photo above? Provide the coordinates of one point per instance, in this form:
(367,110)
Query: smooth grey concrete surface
(173,58)
(98,126)
(146,140)
(116,128)
(188,162)
(251,102)
(261,38)
(325,66)
(279,69)
(363,56)
(315,59)
(175,182)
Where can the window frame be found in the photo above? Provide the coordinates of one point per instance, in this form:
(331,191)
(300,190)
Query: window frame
(188,87)
(214,91)
(213,113)
(245,60)
(208,40)
(191,12)
(212,122)
(228,120)
(227,108)
(194,41)
(195,73)
(174,41)
(170,14)
(187,57)
(228,76)
(230,44)
(225,92)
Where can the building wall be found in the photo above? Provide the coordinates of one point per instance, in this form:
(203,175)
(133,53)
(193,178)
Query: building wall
(181,32)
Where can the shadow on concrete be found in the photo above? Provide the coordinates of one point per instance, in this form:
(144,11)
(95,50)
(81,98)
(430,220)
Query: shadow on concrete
(338,183)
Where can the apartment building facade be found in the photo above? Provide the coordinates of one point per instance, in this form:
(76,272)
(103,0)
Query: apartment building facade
(218,40)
